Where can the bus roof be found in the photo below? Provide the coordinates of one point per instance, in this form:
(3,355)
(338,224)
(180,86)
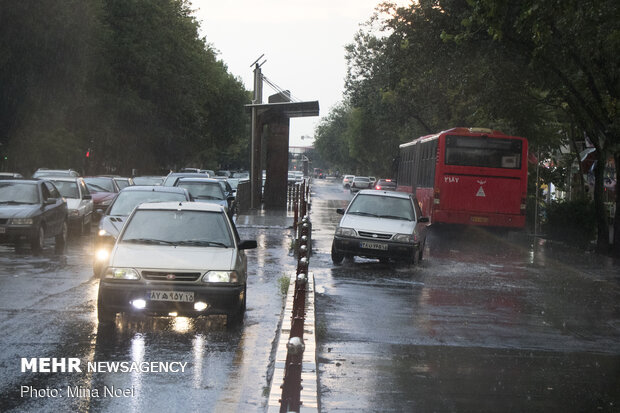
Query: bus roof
(458,130)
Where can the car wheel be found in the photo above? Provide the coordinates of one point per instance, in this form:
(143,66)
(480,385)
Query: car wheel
(104,315)
(61,238)
(236,318)
(37,242)
(337,257)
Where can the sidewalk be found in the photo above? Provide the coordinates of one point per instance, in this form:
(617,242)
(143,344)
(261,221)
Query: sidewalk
(260,218)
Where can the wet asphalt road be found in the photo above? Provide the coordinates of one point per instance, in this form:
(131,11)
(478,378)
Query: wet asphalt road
(48,309)
(488,322)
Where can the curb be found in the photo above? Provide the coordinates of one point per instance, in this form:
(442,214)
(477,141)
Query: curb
(309,374)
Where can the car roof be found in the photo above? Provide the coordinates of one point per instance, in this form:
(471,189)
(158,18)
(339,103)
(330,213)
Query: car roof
(182,206)
(21,181)
(61,178)
(153,188)
(393,194)
(194,179)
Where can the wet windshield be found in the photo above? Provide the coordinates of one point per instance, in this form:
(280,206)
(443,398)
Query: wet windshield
(18,193)
(100,184)
(67,189)
(126,201)
(203,190)
(382,206)
(189,228)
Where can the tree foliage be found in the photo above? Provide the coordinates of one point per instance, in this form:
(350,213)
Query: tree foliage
(130,79)
(540,69)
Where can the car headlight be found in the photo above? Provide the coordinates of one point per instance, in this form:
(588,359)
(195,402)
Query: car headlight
(220,277)
(103,233)
(346,232)
(122,274)
(21,221)
(102,254)
(403,238)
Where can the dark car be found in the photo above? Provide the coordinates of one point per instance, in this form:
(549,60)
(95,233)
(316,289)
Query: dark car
(215,191)
(104,190)
(385,184)
(114,218)
(34,210)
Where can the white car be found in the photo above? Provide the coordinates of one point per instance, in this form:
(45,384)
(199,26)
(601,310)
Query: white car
(79,202)
(347,180)
(381,224)
(176,258)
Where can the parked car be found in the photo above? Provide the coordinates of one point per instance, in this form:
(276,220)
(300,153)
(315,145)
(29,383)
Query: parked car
(385,184)
(103,190)
(191,263)
(79,202)
(148,180)
(44,172)
(34,210)
(381,224)
(209,190)
(346,181)
(114,218)
(123,182)
(359,183)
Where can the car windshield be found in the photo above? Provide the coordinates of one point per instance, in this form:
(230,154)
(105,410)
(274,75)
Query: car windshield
(99,184)
(180,228)
(382,207)
(122,183)
(18,193)
(126,201)
(234,182)
(203,190)
(148,180)
(67,189)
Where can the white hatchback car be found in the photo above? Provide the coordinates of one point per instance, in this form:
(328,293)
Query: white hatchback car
(381,224)
(176,258)
(79,201)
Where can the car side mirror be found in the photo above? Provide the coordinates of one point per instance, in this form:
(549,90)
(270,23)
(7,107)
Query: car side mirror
(247,244)
(340,211)
(423,220)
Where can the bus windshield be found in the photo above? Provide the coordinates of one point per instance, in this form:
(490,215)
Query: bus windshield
(483,151)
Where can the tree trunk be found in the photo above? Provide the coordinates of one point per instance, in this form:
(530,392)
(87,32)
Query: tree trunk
(602,224)
(616,244)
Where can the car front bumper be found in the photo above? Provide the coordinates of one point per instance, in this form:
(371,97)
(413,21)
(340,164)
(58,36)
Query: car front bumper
(118,297)
(394,250)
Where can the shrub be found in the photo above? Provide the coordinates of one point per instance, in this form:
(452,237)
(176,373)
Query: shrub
(571,221)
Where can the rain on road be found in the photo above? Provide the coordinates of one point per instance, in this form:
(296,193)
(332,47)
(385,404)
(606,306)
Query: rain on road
(488,322)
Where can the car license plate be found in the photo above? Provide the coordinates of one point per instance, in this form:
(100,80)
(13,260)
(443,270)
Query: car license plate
(374,245)
(479,219)
(176,296)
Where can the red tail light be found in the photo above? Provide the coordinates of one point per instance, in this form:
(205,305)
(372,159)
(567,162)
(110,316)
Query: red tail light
(378,187)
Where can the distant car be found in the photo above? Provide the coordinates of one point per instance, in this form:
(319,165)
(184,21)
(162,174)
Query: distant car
(44,172)
(10,175)
(225,174)
(359,183)
(191,263)
(381,224)
(209,190)
(346,181)
(104,190)
(148,180)
(79,202)
(385,184)
(123,182)
(112,222)
(34,210)
(172,178)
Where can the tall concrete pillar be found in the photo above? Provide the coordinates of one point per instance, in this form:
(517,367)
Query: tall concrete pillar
(277,161)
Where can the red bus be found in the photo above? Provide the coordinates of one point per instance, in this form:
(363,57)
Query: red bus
(471,176)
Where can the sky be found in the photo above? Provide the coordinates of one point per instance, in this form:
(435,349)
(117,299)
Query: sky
(303,42)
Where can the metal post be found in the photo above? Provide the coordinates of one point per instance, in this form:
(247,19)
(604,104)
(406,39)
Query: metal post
(256,173)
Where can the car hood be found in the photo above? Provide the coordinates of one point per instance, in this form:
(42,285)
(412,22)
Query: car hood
(19,211)
(102,196)
(167,257)
(112,224)
(371,224)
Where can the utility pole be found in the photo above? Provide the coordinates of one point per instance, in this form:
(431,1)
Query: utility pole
(256,173)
